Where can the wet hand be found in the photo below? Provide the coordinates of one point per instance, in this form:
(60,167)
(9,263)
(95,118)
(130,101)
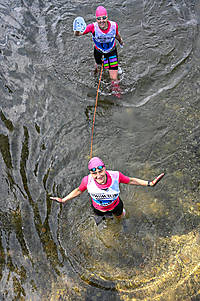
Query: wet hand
(57,199)
(77,33)
(157,179)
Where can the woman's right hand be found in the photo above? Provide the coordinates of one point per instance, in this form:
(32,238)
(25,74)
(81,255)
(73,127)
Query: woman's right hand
(57,199)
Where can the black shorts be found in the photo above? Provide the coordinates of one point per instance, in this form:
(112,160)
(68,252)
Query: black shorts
(116,211)
(110,59)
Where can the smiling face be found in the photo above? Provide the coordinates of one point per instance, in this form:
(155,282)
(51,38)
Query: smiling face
(99,175)
(102,22)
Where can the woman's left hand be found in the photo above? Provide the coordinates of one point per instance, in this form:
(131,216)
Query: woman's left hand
(157,179)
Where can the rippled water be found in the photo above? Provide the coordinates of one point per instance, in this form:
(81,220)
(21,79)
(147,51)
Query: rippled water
(56,252)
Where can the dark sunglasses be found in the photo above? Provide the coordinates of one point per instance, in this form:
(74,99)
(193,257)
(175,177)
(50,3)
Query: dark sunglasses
(99,18)
(100,168)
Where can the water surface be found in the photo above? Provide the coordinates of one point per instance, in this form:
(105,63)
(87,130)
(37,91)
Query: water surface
(56,252)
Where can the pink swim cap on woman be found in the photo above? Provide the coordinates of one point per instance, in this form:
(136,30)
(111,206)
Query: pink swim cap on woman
(95,162)
(101,11)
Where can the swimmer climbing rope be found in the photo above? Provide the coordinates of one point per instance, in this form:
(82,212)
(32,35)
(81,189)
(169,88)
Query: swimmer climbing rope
(95,109)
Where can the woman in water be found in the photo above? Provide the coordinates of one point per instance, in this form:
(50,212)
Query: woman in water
(103,187)
(104,34)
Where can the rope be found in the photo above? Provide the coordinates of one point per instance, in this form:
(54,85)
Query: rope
(95,109)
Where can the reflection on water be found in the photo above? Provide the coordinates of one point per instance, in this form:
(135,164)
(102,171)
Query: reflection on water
(56,252)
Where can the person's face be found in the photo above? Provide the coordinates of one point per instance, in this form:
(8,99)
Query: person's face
(102,21)
(99,174)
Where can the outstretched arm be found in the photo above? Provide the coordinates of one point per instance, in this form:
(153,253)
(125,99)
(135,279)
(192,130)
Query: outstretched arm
(135,181)
(76,192)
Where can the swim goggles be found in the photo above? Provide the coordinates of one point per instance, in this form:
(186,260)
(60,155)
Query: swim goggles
(100,168)
(99,18)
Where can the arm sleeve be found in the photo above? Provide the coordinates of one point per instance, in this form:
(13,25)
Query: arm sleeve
(89,28)
(123,179)
(83,185)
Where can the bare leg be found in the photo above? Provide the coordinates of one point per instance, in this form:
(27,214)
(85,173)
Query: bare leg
(95,69)
(115,83)
(113,75)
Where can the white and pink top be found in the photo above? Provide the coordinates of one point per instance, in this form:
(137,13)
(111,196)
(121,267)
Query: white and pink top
(105,197)
(104,40)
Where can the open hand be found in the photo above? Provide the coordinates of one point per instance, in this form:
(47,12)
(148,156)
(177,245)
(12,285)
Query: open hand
(157,179)
(77,33)
(57,199)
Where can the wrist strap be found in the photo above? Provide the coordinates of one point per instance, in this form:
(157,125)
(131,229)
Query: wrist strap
(149,182)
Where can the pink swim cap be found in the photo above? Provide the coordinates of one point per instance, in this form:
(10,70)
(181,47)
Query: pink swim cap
(95,162)
(101,11)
